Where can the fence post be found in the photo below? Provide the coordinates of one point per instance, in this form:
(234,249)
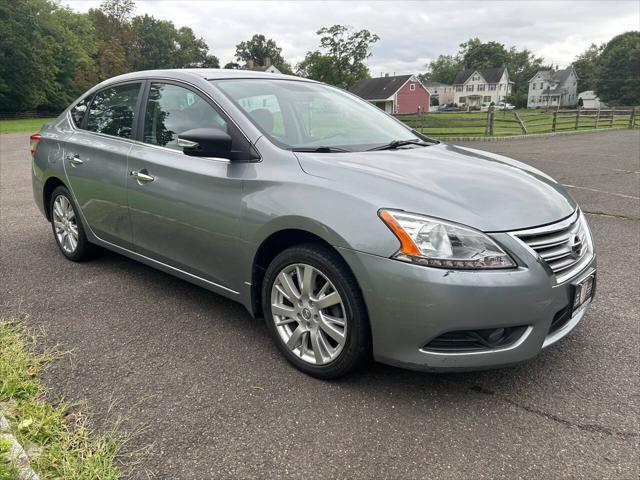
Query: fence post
(522,125)
(597,118)
(577,118)
(489,127)
(632,117)
(554,121)
(613,112)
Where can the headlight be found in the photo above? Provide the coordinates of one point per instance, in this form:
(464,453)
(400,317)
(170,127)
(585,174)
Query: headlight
(438,243)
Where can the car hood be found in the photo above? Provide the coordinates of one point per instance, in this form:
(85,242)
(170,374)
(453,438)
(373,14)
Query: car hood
(483,190)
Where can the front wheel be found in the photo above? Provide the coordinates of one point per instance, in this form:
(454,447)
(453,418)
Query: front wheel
(315,311)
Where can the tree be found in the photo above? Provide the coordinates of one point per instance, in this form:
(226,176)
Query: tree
(522,65)
(443,69)
(478,55)
(258,49)
(155,43)
(586,65)
(192,51)
(618,70)
(121,11)
(45,55)
(232,66)
(342,64)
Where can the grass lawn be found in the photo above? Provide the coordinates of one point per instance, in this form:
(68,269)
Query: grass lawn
(55,436)
(27,125)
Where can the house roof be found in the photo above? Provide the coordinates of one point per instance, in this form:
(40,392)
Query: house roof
(491,75)
(379,88)
(588,95)
(555,76)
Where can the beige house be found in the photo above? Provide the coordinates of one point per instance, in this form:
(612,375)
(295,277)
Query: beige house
(474,87)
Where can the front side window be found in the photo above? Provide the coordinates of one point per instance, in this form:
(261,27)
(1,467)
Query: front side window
(304,115)
(481,88)
(77,112)
(112,110)
(172,110)
(412,87)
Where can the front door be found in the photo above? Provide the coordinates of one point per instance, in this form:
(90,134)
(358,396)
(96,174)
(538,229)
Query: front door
(184,210)
(95,162)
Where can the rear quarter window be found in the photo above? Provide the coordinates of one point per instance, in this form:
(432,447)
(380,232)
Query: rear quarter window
(78,112)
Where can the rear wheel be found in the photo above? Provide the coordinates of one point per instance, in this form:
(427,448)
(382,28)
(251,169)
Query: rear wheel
(68,231)
(315,311)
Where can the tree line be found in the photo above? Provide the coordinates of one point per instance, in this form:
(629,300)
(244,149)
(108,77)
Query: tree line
(50,54)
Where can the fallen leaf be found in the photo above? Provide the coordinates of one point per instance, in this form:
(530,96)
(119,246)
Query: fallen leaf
(25,423)
(258,388)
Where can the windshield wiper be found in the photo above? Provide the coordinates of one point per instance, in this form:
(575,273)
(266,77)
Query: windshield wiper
(400,143)
(319,149)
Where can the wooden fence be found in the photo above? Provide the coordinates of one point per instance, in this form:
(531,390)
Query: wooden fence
(522,122)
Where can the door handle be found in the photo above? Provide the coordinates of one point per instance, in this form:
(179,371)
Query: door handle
(74,159)
(142,176)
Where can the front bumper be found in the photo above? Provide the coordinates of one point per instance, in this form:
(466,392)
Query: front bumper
(410,305)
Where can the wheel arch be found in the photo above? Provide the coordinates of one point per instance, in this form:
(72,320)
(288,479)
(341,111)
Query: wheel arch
(49,186)
(273,245)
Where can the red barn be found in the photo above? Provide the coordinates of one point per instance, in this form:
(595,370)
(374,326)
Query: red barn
(398,94)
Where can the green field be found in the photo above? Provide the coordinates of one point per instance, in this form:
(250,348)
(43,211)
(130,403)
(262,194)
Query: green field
(27,125)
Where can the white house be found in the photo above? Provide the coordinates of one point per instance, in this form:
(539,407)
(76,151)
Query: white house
(553,88)
(441,92)
(590,99)
(474,87)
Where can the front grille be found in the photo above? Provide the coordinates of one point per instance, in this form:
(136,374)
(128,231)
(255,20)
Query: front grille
(565,246)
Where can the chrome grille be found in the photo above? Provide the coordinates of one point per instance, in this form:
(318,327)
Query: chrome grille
(565,246)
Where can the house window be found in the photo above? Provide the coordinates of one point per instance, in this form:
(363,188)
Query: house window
(458,88)
(486,98)
(412,87)
(469,88)
(481,87)
(541,85)
(532,100)
(534,86)
(492,86)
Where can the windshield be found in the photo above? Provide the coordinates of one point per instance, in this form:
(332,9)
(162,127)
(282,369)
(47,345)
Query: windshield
(308,116)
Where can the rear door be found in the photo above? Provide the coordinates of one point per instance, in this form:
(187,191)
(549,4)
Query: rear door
(185,210)
(96,161)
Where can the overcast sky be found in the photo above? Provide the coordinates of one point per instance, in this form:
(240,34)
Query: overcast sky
(411,33)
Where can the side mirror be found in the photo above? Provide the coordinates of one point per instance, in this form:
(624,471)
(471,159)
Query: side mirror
(205,142)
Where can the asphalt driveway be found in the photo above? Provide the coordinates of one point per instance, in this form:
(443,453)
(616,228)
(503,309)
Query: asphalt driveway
(218,401)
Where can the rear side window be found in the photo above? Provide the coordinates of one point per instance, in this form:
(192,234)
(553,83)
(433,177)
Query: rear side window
(77,112)
(172,110)
(113,109)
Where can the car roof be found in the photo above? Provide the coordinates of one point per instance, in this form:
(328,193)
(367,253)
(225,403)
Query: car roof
(203,73)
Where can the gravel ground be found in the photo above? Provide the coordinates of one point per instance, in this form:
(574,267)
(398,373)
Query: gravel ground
(187,363)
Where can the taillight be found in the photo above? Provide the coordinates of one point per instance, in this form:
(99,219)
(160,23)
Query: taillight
(35,138)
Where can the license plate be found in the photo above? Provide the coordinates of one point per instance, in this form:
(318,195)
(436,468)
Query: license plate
(583,291)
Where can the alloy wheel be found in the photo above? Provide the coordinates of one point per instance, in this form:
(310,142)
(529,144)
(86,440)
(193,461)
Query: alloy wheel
(309,314)
(65,224)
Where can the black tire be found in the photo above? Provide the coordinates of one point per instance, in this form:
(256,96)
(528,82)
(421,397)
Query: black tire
(356,351)
(84,250)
